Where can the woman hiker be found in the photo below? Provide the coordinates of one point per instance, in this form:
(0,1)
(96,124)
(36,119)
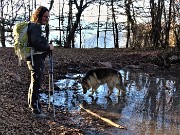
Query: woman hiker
(39,42)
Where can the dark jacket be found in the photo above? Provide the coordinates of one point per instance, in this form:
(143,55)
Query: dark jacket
(37,39)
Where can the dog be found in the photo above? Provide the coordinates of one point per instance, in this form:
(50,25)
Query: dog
(96,77)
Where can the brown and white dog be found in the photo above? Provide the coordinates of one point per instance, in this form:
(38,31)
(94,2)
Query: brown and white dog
(96,77)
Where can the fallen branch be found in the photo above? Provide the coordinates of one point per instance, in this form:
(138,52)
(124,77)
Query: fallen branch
(102,118)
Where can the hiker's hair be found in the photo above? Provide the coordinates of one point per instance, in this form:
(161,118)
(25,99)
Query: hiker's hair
(38,14)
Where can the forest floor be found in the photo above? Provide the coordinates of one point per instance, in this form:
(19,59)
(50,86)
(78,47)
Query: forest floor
(16,118)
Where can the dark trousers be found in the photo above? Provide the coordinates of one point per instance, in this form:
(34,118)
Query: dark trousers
(36,79)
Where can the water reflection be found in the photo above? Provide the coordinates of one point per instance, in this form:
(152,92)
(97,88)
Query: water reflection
(151,105)
(150,108)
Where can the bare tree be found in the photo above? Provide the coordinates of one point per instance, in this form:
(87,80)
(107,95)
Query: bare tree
(130,21)
(9,11)
(115,26)
(106,27)
(168,25)
(156,14)
(47,27)
(80,8)
(158,34)
(99,14)
(9,15)
(2,24)
(176,30)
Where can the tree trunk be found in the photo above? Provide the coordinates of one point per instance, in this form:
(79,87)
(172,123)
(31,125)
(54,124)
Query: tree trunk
(80,36)
(129,21)
(80,9)
(72,31)
(69,27)
(156,14)
(116,34)
(168,26)
(98,23)
(2,30)
(105,32)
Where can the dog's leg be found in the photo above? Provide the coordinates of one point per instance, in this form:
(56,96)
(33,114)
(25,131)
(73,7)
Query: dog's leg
(110,87)
(93,90)
(109,92)
(119,90)
(119,87)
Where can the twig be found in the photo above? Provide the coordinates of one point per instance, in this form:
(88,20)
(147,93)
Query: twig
(102,118)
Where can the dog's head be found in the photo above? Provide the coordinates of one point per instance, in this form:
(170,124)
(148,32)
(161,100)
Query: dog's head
(85,85)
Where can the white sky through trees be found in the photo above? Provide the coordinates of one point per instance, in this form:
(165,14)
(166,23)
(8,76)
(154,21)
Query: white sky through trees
(90,15)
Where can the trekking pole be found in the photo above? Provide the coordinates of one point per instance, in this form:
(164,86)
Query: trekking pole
(51,81)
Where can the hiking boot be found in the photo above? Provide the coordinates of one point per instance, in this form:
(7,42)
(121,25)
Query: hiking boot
(39,115)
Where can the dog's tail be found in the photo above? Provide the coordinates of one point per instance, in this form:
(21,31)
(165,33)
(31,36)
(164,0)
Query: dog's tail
(119,76)
(121,82)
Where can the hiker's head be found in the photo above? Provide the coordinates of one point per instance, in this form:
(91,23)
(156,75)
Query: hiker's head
(41,15)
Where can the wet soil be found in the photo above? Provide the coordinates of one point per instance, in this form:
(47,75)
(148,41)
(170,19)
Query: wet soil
(16,118)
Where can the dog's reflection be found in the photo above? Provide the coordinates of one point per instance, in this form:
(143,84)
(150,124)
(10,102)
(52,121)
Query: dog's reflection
(109,109)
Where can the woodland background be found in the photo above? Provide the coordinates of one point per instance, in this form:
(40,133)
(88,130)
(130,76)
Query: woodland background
(158,28)
(151,45)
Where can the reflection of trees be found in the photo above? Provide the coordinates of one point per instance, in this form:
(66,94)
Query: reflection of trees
(150,98)
(161,94)
(176,95)
(160,104)
(135,79)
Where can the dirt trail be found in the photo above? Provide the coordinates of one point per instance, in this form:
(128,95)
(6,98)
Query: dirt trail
(15,117)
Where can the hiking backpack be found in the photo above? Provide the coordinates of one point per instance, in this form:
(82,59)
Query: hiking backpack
(20,33)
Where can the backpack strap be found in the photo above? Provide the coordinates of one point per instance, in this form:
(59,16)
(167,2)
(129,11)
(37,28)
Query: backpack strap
(29,41)
(28,34)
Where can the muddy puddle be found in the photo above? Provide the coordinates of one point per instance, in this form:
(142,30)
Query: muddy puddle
(151,105)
